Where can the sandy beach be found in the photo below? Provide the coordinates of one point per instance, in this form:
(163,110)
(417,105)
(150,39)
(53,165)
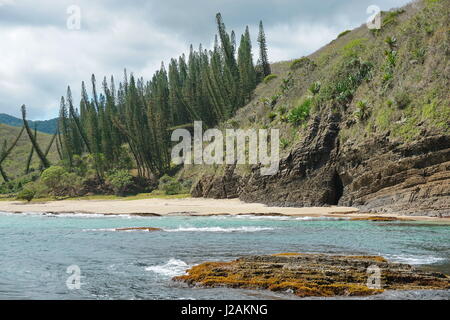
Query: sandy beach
(185,206)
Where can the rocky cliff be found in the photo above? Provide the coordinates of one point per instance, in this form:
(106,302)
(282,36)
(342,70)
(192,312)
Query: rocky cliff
(378,134)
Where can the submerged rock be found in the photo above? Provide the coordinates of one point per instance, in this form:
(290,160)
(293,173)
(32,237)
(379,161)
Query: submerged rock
(139,229)
(378,218)
(318,275)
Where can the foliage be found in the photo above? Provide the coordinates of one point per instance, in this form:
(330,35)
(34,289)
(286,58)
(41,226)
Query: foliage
(205,85)
(284,143)
(269,78)
(60,182)
(351,74)
(171,186)
(301,63)
(343,33)
(272,115)
(402,99)
(391,16)
(314,88)
(120,180)
(300,113)
(26,194)
(362,111)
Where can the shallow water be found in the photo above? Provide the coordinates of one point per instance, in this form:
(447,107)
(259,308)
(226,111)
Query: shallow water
(36,249)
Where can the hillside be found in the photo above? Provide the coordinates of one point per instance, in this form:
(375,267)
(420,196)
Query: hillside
(15,164)
(378,131)
(46,126)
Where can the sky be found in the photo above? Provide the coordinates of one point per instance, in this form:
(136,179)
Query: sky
(47,45)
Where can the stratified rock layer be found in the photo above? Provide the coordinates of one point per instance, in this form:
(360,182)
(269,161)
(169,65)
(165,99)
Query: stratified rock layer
(378,175)
(313,275)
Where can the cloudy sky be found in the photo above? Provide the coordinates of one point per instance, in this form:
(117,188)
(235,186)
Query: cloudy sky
(40,55)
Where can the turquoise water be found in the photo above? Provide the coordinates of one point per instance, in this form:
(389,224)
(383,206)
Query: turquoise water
(36,249)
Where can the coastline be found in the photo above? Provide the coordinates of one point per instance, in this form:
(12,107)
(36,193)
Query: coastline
(190,207)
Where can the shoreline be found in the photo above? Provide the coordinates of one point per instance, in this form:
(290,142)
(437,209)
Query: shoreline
(191,207)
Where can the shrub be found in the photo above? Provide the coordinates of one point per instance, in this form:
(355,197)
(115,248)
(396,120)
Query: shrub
(269,78)
(391,42)
(343,33)
(274,99)
(60,182)
(302,62)
(120,180)
(272,115)
(300,113)
(33,190)
(284,143)
(170,185)
(26,194)
(315,87)
(362,110)
(402,99)
(52,176)
(352,74)
(282,110)
(391,16)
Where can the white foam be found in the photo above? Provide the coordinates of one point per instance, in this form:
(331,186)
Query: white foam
(290,218)
(219,229)
(101,230)
(322,218)
(174,267)
(413,260)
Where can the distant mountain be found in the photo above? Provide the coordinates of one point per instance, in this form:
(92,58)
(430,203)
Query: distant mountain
(46,126)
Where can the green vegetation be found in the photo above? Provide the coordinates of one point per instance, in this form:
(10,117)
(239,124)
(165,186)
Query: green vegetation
(171,186)
(362,111)
(120,180)
(301,63)
(343,33)
(272,115)
(300,113)
(391,17)
(402,99)
(117,139)
(269,78)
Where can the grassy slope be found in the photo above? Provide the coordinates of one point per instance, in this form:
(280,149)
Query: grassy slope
(422,70)
(15,164)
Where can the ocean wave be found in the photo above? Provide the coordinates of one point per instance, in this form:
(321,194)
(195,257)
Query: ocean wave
(289,218)
(413,260)
(174,267)
(219,229)
(322,218)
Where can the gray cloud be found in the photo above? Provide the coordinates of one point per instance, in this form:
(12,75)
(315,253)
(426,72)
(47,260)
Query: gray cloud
(40,56)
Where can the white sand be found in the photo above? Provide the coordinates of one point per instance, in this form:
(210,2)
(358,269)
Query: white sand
(186,206)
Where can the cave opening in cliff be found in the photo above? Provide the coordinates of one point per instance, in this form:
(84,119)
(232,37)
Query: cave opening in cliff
(338,189)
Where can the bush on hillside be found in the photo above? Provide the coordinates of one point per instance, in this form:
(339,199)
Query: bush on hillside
(60,182)
(300,113)
(269,78)
(120,180)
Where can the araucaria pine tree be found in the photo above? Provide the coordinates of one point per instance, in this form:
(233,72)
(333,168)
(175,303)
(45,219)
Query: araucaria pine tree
(263,62)
(136,117)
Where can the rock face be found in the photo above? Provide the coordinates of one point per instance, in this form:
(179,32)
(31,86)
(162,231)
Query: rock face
(378,175)
(314,275)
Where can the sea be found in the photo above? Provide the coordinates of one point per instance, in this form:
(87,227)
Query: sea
(83,256)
